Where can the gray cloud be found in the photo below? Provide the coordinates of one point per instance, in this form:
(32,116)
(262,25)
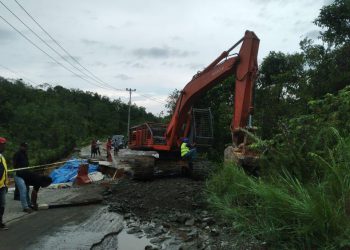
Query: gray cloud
(132,64)
(112,27)
(123,77)
(128,24)
(192,66)
(195,66)
(169,64)
(90,42)
(137,65)
(164,52)
(90,14)
(176,38)
(115,47)
(100,64)
(104,45)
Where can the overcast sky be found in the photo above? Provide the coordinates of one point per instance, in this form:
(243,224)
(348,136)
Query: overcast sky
(153,46)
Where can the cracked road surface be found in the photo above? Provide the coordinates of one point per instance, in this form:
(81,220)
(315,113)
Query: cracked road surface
(64,228)
(61,228)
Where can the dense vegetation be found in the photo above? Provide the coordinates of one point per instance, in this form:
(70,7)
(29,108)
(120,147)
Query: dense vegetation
(301,198)
(55,120)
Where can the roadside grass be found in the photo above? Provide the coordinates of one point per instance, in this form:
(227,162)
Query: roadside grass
(285,212)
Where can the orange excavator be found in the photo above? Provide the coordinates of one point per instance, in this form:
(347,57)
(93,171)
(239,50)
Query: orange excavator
(195,124)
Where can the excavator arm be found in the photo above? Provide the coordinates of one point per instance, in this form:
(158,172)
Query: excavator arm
(244,66)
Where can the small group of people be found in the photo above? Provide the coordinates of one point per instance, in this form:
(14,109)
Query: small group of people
(95,148)
(24,178)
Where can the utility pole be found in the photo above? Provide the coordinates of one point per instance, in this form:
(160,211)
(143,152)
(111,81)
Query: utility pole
(130,90)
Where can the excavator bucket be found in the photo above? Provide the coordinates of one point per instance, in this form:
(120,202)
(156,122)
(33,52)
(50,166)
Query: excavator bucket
(242,155)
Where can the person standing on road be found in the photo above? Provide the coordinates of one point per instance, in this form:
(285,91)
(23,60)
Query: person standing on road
(20,160)
(98,144)
(3,182)
(93,148)
(108,149)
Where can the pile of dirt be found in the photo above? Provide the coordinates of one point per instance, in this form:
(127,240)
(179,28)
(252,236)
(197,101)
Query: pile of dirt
(172,212)
(161,196)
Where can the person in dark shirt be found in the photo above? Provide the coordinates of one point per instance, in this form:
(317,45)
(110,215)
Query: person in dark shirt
(37,181)
(20,160)
(93,148)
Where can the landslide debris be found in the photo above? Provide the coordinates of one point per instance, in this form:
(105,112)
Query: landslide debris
(172,212)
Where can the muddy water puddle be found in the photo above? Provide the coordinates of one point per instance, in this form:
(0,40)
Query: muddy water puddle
(131,242)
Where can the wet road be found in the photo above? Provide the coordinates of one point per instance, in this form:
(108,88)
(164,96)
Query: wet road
(70,228)
(33,231)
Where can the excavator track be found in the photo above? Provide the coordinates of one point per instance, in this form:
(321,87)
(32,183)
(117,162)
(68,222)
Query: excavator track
(139,163)
(144,166)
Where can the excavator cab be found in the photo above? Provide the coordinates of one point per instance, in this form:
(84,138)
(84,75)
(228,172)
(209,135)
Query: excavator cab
(202,127)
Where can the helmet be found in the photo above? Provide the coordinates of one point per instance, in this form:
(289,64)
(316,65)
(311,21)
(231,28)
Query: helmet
(185,140)
(2,140)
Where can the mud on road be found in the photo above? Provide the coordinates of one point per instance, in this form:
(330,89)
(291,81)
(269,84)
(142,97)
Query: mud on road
(170,211)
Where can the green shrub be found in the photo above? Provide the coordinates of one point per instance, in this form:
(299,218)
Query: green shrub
(285,212)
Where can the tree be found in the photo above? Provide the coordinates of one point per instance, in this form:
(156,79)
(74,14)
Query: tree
(280,90)
(171,101)
(335,19)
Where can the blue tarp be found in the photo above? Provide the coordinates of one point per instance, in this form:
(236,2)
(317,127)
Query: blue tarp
(69,171)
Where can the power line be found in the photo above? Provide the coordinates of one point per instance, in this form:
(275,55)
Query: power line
(30,41)
(151,98)
(63,49)
(55,51)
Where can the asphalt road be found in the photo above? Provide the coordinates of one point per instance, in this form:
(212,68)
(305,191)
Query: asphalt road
(31,231)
